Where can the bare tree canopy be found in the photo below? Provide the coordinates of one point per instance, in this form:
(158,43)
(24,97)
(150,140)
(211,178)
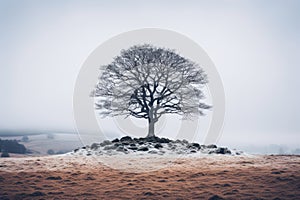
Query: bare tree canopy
(147,82)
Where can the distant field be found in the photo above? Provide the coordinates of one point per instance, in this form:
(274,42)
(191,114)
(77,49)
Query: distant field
(40,144)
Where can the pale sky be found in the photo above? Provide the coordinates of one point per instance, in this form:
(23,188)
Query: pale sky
(255,46)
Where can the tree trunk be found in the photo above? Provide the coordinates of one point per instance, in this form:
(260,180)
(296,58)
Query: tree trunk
(151,128)
(151,124)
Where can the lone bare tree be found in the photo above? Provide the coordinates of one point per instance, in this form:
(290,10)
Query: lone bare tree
(146,82)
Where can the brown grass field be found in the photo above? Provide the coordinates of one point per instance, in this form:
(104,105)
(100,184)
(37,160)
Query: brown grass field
(207,177)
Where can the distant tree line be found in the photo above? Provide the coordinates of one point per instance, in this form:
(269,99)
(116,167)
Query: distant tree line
(12,146)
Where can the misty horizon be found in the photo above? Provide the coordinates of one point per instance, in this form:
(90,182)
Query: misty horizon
(254,46)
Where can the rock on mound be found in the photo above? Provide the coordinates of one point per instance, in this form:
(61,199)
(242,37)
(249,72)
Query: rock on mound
(150,145)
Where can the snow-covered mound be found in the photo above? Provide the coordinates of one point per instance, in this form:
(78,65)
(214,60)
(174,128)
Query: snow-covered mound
(150,145)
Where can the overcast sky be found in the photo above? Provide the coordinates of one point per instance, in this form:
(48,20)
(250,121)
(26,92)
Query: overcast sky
(255,46)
